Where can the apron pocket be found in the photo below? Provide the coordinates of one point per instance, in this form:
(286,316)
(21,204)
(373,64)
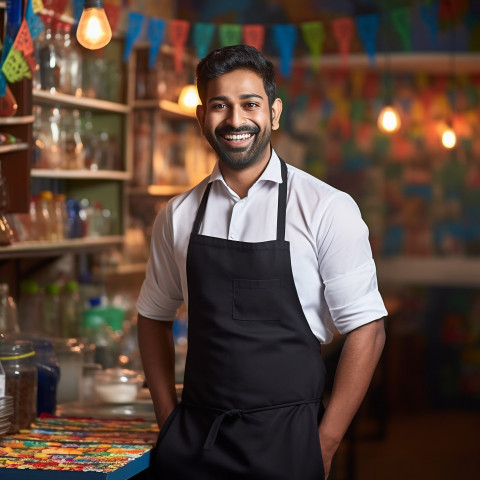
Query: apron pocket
(256,300)
(166,425)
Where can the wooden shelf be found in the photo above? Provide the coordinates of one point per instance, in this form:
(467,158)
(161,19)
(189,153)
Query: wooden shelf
(13,148)
(80,174)
(42,96)
(20,120)
(448,271)
(52,249)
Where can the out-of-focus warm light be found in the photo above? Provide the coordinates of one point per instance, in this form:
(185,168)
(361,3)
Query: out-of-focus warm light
(189,99)
(449,139)
(389,120)
(93,30)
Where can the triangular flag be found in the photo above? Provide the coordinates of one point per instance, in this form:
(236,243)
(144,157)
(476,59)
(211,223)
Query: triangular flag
(230,34)
(254,35)
(134,28)
(156,28)
(403,25)
(24,43)
(285,37)
(314,36)
(202,38)
(429,14)
(178,36)
(367,26)
(343,33)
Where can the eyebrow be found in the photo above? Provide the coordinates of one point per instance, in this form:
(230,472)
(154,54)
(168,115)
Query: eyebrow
(245,96)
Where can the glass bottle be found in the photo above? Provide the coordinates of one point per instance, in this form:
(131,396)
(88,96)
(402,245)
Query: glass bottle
(71,310)
(45,216)
(71,61)
(90,143)
(30,306)
(17,357)
(8,311)
(60,226)
(51,310)
(71,141)
(53,149)
(49,58)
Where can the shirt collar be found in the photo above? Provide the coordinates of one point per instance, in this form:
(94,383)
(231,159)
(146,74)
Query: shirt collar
(272,172)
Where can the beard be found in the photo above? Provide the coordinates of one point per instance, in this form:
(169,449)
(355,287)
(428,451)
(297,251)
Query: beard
(238,158)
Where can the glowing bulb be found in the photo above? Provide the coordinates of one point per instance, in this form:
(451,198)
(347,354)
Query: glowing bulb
(188,99)
(93,30)
(389,120)
(449,139)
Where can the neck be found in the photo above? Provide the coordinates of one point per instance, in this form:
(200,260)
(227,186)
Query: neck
(240,181)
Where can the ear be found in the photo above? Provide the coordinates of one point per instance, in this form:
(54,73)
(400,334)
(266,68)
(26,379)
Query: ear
(276,112)
(200,113)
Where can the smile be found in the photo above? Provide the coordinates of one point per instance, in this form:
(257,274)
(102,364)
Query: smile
(243,136)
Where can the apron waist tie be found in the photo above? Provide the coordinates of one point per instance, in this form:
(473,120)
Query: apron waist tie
(215,427)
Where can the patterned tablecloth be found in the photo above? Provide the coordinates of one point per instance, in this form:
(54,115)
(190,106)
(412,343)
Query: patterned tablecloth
(78,448)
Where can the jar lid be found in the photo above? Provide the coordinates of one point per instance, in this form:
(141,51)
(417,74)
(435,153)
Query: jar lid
(15,349)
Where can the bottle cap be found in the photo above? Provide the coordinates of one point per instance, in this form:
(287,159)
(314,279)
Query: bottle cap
(29,286)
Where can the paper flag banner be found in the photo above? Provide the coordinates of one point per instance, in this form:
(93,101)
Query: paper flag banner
(134,28)
(403,25)
(343,33)
(35,25)
(230,34)
(156,28)
(178,36)
(7,45)
(112,11)
(367,26)
(202,38)
(254,35)
(15,67)
(429,14)
(23,43)
(285,37)
(314,36)
(37,5)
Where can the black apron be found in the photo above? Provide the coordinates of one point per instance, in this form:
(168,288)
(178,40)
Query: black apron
(254,377)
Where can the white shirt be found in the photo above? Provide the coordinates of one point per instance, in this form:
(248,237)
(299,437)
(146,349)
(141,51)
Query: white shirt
(332,263)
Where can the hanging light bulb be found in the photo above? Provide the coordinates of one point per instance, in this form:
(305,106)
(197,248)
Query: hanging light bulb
(93,30)
(389,119)
(189,99)
(449,138)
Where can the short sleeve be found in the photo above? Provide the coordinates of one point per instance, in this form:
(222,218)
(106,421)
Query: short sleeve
(161,292)
(346,266)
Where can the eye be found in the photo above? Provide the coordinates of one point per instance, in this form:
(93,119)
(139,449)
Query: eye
(219,106)
(251,105)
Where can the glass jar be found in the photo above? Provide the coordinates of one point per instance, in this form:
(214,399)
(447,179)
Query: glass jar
(70,355)
(48,374)
(17,357)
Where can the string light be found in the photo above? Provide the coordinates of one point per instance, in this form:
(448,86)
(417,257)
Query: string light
(188,99)
(93,30)
(449,138)
(389,119)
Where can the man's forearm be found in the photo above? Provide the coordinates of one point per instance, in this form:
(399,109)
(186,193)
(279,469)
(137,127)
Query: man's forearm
(359,357)
(157,351)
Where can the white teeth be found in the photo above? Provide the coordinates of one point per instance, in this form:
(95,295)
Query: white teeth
(244,136)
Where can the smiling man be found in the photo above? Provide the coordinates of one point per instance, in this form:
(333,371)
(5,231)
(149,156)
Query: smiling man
(269,261)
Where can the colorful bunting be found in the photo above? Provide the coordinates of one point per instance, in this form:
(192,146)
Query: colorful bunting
(178,36)
(156,28)
(285,37)
(37,6)
(35,25)
(254,35)
(367,26)
(403,25)
(15,67)
(112,11)
(202,38)
(24,44)
(429,14)
(314,36)
(343,33)
(134,28)
(230,34)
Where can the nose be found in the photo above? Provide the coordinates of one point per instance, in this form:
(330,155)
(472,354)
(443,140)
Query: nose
(235,117)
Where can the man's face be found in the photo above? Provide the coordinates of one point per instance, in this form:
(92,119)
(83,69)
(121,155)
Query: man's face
(237,120)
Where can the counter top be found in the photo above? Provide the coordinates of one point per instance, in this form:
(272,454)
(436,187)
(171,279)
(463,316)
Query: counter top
(78,448)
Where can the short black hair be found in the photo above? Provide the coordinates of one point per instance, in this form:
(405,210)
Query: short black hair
(227,59)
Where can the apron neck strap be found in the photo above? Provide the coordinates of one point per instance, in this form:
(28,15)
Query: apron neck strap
(282,205)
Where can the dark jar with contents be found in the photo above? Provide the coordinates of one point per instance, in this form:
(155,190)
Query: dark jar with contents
(17,357)
(48,374)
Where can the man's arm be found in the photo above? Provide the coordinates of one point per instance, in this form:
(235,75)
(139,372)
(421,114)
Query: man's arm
(157,350)
(359,357)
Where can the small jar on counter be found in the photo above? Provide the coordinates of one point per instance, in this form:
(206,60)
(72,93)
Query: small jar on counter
(17,357)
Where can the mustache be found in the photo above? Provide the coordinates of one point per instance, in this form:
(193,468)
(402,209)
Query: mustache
(234,131)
